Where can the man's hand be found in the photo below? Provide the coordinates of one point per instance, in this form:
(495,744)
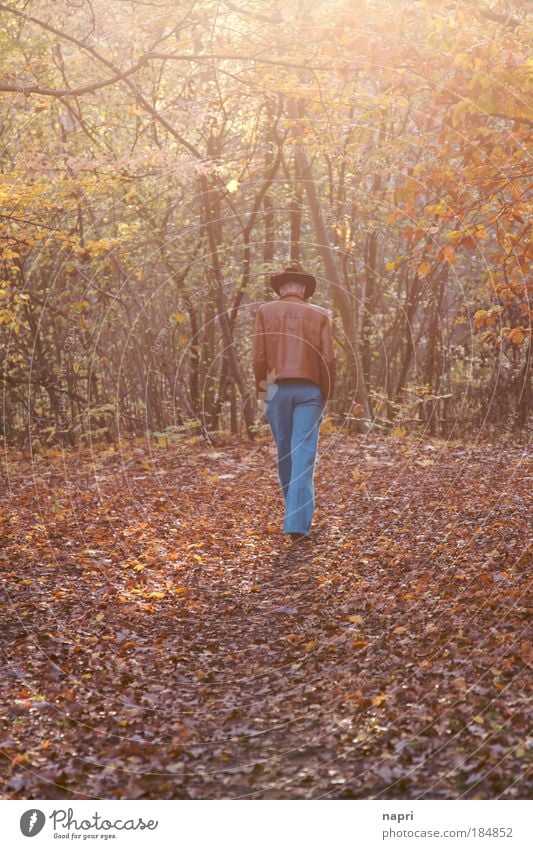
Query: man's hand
(266,388)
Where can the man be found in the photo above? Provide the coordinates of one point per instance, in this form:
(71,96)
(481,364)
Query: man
(294,368)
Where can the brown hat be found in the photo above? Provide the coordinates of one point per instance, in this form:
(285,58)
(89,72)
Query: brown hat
(293,274)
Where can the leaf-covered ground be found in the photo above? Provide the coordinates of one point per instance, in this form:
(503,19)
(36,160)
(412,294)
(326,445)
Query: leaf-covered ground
(162,639)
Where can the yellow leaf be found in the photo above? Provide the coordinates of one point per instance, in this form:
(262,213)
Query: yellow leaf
(479,318)
(378,700)
(462,60)
(399,432)
(462,107)
(312,644)
(327,427)
(390,266)
(357,620)
(81,306)
(423,270)
(21,759)
(455,235)
(155,594)
(232,186)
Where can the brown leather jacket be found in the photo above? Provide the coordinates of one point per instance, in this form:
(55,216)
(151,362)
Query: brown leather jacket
(292,338)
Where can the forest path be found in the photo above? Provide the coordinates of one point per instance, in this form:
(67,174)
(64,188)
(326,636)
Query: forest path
(162,638)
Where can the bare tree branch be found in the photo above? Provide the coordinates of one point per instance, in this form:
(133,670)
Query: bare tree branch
(75,92)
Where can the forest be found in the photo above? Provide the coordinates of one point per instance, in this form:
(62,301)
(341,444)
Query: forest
(160,161)
(151,184)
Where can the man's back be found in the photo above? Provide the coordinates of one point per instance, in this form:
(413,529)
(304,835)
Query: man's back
(292,339)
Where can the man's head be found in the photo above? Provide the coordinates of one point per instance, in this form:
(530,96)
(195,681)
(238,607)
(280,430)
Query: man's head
(297,280)
(292,287)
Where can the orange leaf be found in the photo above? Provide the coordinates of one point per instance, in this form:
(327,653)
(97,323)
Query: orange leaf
(449,253)
(423,270)
(516,335)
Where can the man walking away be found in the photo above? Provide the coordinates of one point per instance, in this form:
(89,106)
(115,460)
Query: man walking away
(294,368)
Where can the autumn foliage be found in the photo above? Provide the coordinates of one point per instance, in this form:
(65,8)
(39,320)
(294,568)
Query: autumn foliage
(150,184)
(161,640)
(159,160)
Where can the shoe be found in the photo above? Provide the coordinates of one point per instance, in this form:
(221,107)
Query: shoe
(297,537)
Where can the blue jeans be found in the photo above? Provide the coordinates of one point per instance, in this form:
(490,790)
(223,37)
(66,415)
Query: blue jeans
(294,412)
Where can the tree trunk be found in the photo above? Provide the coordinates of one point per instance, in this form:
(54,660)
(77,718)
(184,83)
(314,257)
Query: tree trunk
(234,368)
(339,297)
(296,221)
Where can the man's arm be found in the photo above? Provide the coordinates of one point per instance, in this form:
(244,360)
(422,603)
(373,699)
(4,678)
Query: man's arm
(259,354)
(328,364)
